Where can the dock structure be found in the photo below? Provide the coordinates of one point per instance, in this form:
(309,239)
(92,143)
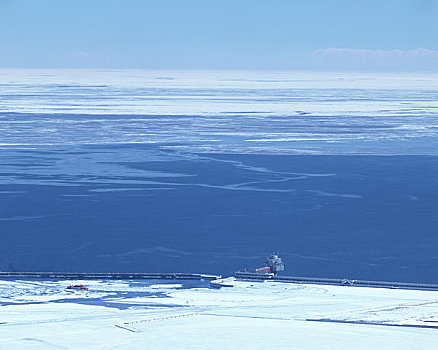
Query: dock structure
(110,276)
(216,279)
(252,276)
(274,264)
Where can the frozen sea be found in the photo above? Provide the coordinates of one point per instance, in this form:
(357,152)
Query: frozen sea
(200,171)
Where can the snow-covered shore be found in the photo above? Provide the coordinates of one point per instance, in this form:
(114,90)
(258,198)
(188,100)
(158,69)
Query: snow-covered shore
(251,315)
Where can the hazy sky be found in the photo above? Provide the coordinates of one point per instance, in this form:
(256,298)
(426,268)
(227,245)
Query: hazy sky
(221,34)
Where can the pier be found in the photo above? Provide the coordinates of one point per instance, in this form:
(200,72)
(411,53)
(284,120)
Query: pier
(216,279)
(269,272)
(252,276)
(107,275)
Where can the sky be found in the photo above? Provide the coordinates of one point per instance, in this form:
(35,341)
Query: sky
(227,34)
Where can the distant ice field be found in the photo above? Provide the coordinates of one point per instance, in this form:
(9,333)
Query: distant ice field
(165,171)
(238,112)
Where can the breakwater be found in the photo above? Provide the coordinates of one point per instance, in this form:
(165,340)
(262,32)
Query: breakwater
(106,275)
(334,281)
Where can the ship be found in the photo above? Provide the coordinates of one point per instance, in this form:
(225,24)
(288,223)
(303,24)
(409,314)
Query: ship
(273,265)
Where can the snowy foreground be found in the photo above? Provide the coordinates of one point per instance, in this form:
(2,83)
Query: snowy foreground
(250,315)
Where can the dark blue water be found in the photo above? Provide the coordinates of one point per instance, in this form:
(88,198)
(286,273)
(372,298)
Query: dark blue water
(147,209)
(191,171)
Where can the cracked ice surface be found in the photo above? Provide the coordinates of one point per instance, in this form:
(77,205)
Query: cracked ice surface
(221,112)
